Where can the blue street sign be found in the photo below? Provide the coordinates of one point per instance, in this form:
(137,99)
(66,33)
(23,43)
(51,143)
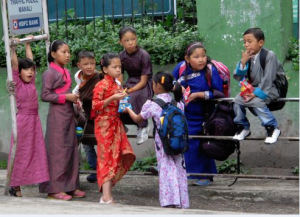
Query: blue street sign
(26,23)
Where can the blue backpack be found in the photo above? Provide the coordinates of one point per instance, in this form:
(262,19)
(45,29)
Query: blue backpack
(173,131)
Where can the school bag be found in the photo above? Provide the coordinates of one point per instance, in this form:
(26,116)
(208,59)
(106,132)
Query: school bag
(280,82)
(173,128)
(220,123)
(223,72)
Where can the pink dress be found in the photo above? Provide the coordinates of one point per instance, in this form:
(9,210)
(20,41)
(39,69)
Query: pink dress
(173,186)
(30,165)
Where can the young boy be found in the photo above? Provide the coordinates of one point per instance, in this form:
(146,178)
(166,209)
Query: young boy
(86,79)
(263,84)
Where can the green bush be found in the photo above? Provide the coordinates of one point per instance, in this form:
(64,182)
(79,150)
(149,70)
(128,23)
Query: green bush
(293,53)
(163,45)
(144,163)
(3,164)
(295,171)
(230,166)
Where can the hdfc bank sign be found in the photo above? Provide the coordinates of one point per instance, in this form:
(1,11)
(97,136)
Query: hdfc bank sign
(25,16)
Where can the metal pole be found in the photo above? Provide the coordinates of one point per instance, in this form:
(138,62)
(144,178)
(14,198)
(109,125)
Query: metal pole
(24,40)
(46,26)
(113,14)
(11,97)
(56,13)
(103,18)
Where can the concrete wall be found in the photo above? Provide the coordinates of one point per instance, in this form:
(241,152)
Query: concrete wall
(223,23)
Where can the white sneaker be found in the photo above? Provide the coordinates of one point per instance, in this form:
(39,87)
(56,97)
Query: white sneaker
(272,135)
(241,133)
(143,135)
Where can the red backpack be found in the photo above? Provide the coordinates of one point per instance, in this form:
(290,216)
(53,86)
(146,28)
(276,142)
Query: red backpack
(223,72)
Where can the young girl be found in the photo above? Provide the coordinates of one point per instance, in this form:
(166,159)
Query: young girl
(194,76)
(30,165)
(61,143)
(173,187)
(137,63)
(115,155)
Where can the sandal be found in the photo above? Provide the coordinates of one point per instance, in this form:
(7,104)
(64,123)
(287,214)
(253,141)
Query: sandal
(77,193)
(15,191)
(107,202)
(60,196)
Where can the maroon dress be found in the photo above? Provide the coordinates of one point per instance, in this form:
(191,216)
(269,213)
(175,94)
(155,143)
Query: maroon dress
(137,64)
(61,142)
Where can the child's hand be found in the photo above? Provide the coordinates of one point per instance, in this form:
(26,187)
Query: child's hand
(29,36)
(248,97)
(14,43)
(192,97)
(246,55)
(119,96)
(126,110)
(72,97)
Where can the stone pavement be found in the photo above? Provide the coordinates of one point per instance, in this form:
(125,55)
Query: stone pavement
(138,194)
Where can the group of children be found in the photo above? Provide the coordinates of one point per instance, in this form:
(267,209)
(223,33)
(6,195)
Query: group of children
(54,163)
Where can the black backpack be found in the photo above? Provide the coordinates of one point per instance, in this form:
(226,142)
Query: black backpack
(173,130)
(220,123)
(280,82)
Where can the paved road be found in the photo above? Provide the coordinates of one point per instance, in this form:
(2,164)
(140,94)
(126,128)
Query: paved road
(138,194)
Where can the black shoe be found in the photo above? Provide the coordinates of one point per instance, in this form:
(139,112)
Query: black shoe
(92,177)
(153,169)
(15,191)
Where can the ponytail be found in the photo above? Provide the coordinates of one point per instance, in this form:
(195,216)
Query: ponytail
(177,90)
(168,82)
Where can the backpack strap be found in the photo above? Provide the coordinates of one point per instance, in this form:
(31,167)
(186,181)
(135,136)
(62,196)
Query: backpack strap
(262,57)
(208,75)
(161,104)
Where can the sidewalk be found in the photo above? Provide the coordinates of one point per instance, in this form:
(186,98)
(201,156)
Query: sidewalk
(138,194)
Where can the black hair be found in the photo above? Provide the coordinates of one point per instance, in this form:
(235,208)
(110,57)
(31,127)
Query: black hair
(25,63)
(193,46)
(257,32)
(85,54)
(106,61)
(54,46)
(126,29)
(190,49)
(168,82)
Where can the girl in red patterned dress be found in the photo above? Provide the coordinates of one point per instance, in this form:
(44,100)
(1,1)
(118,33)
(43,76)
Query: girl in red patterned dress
(114,153)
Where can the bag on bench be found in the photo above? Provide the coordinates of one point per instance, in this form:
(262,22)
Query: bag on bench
(220,123)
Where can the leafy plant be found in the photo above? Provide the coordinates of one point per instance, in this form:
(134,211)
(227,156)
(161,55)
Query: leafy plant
(163,45)
(3,164)
(230,166)
(85,166)
(144,163)
(295,171)
(293,53)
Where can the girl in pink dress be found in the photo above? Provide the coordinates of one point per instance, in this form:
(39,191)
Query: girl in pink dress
(173,186)
(30,164)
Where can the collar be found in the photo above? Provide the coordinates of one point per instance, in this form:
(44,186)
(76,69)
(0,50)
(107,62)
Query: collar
(133,53)
(109,78)
(256,55)
(163,95)
(57,67)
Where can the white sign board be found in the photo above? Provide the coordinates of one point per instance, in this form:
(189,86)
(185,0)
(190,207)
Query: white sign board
(25,16)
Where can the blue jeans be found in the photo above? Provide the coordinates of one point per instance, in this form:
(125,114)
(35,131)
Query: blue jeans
(266,117)
(91,156)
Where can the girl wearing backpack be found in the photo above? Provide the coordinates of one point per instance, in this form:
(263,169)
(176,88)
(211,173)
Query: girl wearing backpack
(198,70)
(173,186)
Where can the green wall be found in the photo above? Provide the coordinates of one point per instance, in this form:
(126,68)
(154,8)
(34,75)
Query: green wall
(223,23)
